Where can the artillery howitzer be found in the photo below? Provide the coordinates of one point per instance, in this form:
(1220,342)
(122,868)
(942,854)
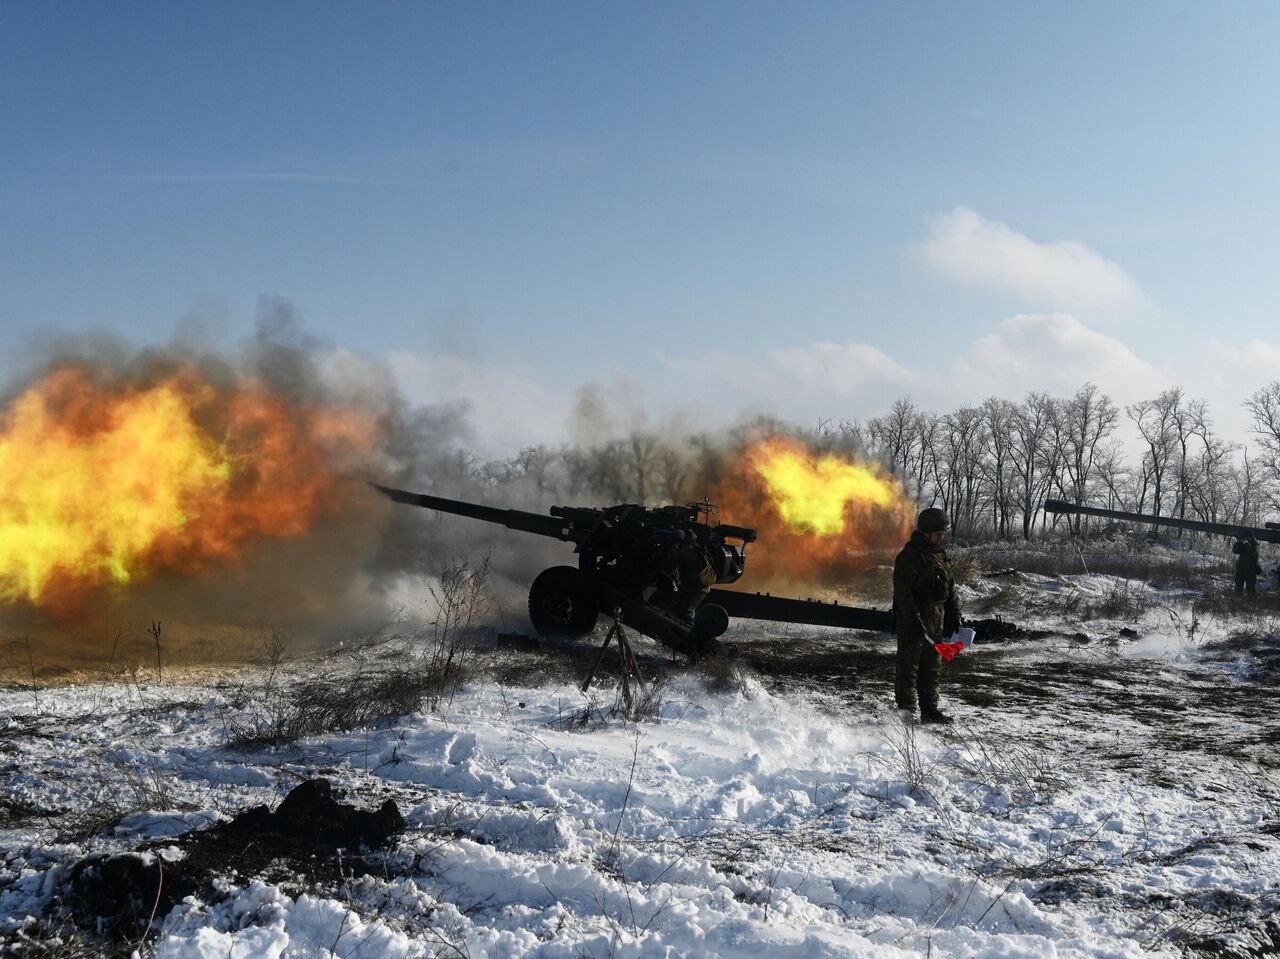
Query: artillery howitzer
(1265,534)
(636,560)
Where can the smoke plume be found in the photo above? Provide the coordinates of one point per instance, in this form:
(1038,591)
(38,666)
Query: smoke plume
(240,508)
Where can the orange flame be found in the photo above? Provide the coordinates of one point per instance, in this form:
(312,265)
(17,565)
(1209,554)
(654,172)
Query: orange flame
(107,485)
(811,493)
(822,517)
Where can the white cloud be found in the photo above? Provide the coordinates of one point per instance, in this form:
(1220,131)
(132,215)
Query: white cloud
(1228,375)
(1252,366)
(839,369)
(1054,353)
(970,249)
(1049,352)
(799,383)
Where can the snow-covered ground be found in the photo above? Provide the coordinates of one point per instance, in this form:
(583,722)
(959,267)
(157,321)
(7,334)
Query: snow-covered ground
(1100,795)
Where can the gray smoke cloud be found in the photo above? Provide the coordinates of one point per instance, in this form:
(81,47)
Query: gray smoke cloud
(371,561)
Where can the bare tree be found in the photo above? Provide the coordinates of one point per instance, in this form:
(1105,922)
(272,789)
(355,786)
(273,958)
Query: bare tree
(926,458)
(1056,455)
(895,432)
(1209,482)
(534,462)
(673,468)
(1112,473)
(1264,406)
(962,440)
(855,432)
(1247,485)
(640,447)
(608,468)
(1157,424)
(1090,418)
(1028,454)
(1186,417)
(998,417)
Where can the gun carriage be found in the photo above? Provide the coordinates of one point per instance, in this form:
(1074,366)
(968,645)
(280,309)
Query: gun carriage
(634,560)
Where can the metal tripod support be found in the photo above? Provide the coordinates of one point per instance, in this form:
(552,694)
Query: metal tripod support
(628,668)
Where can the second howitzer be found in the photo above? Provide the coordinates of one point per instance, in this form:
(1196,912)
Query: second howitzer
(1265,534)
(654,565)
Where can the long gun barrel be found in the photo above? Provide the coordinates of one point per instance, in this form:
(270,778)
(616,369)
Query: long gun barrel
(1267,534)
(517,519)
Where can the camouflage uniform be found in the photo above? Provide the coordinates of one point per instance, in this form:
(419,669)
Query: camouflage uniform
(687,578)
(924,599)
(1247,565)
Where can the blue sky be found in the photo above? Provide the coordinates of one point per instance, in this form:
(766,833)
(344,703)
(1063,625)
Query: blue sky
(803,195)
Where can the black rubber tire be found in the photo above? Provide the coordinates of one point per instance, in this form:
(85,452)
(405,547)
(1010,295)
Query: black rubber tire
(562,604)
(710,621)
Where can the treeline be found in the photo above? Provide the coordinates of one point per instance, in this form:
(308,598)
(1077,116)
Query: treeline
(991,466)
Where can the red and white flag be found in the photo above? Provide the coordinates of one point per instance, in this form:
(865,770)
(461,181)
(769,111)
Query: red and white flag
(961,639)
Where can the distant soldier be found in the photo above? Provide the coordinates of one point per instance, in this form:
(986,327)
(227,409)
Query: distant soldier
(1247,565)
(924,598)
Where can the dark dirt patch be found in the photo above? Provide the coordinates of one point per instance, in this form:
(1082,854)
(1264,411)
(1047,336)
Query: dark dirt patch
(1243,936)
(1203,710)
(14,812)
(310,836)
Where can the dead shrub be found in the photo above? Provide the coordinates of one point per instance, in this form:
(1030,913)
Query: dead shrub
(115,789)
(904,761)
(1135,559)
(54,938)
(461,599)
(645,703)
(721,675)
(313,707)
(14,812)
(1258,611)
(1122,600)
(1004,597)
(966,567)
(603,705)
(1008,761)
(388,678)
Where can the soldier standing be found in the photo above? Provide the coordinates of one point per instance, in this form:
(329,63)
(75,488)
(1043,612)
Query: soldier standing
(1247,565)
(924,599)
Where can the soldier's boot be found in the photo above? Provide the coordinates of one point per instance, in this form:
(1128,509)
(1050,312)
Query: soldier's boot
(906,711)
(935,715)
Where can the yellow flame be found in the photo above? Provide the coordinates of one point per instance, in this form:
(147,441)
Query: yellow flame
(88,494)
(812,493)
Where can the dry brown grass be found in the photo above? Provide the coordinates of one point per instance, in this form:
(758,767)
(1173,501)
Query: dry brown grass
(1122,600)
(721,675)
(383,678)
(312,707)
(966,567)
(1136,559)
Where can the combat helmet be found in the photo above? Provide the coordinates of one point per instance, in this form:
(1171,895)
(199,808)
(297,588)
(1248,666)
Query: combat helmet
(933,520)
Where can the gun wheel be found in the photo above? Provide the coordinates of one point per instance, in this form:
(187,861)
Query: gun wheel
(562,604)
